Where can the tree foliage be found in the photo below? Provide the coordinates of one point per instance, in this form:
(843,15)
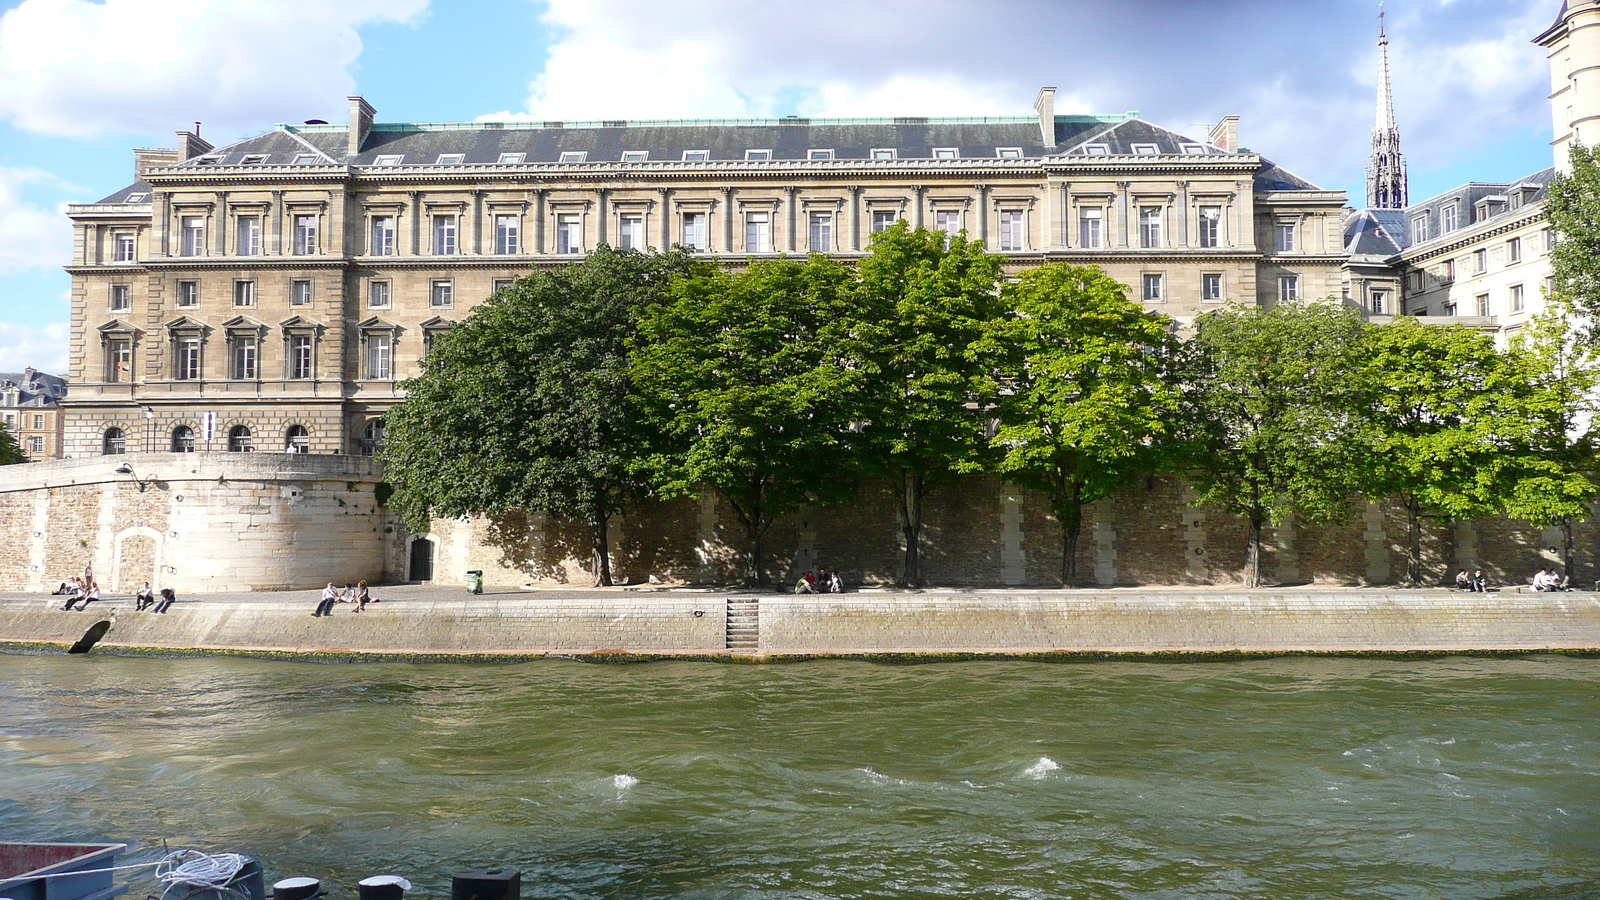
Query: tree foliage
(1088,395)
(1572,206)
(525,404)
(10,451)
(745,376)
(1273,427)
(921,303)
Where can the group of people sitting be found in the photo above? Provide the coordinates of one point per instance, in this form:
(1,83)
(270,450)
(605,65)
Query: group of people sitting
(823,582)
(358,595)
(1550,580)
(1477,582)
(83,591)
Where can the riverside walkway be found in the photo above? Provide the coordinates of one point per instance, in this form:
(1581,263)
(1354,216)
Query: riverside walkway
(424,621)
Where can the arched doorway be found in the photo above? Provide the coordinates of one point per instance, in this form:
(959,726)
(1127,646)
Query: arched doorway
(421,566)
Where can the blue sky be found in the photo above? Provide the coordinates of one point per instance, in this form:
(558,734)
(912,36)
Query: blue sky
(82,83)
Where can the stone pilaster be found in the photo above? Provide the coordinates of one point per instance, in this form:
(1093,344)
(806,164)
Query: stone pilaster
(1195,567)
(1377,542)
(1013,558)
(1105,544)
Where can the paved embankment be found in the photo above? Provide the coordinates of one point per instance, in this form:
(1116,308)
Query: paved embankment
(986,622)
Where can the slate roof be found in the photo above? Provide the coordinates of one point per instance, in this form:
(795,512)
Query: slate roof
(37,388)
(1374,235)
(1517,194)
(138,187)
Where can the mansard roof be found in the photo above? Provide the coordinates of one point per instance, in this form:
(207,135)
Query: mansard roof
(1374,235)
(138,187)
(1465,198)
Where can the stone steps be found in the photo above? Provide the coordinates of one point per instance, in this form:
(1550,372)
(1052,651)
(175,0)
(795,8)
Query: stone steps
(744,625)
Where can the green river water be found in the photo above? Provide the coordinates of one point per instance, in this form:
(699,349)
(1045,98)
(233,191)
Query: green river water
(1349,778)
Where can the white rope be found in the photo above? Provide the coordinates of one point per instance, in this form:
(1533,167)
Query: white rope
(199,869)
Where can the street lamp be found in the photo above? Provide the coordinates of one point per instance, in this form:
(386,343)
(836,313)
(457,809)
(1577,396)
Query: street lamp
(127,469)
(149,430)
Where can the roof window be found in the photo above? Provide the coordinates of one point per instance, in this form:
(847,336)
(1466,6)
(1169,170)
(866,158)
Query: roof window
(636,156)
(513,159)
(572,156)
(306,159)
(393,160)
(946,153)
(254,159)
(450,159)
(1008,152)
(1145,149)
(137,197)
(758,154)
(696,155)
(884,153)
(819,154)
(1096,149)
(1193,149)
(213,160)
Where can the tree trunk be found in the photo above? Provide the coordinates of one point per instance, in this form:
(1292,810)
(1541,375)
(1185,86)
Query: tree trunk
(600,555)
(911,526)
(1414,538)
(1070,512)
(756,569)
(1567,560)
(1252,554)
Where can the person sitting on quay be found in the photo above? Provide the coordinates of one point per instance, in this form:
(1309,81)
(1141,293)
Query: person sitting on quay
(144,598)
(330,596)
(804,585)
(75,591)
(1541,581)
(1480,582)
(363,596)
(1463,581)
(168,597)
(89,596)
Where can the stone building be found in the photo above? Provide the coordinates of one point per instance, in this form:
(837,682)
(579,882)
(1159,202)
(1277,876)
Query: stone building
(30,407)
(271,294)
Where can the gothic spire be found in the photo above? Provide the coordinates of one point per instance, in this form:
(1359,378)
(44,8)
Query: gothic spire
(1386,172)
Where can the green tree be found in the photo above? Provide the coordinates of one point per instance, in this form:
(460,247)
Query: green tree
(1572,205)
(1087,390)
(923,298)
(1440,407)
(525,404)
(742,374)
(10,451)
(1272,428)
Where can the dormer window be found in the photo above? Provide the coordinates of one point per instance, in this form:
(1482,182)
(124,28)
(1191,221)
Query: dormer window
(758,155)
(1447,219)
(1193,149)
(884,153)
(1096,149)
(696,155)
(636,156)
(946,153)
(450,159)
(819,154)
(213,160)
(1008,152)
(574,156)
(1145,149)
(512,159)
(254,159)
(1419,228)
(137,197)
(393,160)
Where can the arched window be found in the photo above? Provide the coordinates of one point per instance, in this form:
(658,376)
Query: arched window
(372,438)
(114,443)
(239,440)
(297,440)
(183,439)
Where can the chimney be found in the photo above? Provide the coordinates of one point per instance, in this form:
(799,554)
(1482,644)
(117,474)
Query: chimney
(361,113)
(1225,134)
(1045,105)
(190,145)
(151,157)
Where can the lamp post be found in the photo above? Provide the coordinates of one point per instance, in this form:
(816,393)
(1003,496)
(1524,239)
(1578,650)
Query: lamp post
(149,429)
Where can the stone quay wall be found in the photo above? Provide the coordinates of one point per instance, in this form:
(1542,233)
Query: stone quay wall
(982,622)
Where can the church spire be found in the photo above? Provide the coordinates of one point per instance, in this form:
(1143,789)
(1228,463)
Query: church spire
(1386,173)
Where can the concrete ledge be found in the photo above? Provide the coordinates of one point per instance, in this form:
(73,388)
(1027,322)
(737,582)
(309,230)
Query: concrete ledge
(988,623)
(186,467)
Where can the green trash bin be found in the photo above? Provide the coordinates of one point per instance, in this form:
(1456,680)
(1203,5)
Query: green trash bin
(474,581)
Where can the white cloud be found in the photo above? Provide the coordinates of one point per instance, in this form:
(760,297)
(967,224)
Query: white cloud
(44,348)
(31,236)
(74,67)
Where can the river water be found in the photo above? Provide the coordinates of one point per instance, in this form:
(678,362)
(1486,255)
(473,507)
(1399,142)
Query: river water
(1451,778)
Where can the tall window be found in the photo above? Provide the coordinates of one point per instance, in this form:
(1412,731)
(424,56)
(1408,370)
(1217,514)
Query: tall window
(378,294)
(193,242)
(1288,288)
(123,248)
(882,219)
(1480,261)
(1010,230)
(444,235)
(1285,238)
(300,293)
(188,293)
(1149,226)
(35,446)
(758,232)
(120,301)
(1514,250)
(382,236)
(305,235)
(297,440)
(1210,226)
(186,361)
(245,350)
(244,293)
(239,440)
(1448,215)
(947,221)
(694,230)
(630,231)
(249,236)
(378,357)
(569,234)
(119,361)
(182,439)
(1089,219)
(115,443)
(441,293)
(1152,288)
(1419,227)
(507,235)
(1516,298)
(1379,303)
(1211,287)
(821,232)
(299,356)
(38,421)
(1483,304)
